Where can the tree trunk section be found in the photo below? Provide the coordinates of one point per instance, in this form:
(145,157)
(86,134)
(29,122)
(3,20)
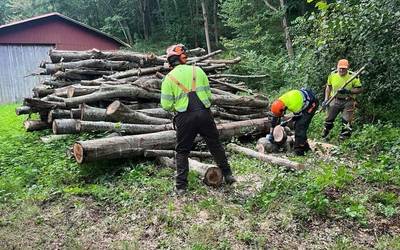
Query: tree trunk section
(128,129)
(211,174)
(33,125)
(266,158)
(126,146)
(65,126)
(117,111)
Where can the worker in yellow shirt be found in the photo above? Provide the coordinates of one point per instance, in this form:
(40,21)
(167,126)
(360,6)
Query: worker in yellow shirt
(303,104)
(186,90)
(344,102)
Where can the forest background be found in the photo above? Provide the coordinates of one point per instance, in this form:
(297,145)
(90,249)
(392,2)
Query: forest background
(295,42)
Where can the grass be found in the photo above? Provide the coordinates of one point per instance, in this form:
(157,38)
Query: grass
(345,201)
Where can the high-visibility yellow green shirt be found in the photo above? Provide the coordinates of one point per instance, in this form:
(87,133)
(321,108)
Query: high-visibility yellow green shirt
(337,82)
(174,98)
(293,100)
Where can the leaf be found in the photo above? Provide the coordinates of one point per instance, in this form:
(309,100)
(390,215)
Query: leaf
(322,5)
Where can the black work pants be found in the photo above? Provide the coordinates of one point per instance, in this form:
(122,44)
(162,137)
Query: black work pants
(188,126)
(301,127)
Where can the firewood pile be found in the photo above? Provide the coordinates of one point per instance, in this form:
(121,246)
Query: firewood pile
(119,92)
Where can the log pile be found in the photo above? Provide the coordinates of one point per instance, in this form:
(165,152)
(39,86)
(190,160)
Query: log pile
(99,91)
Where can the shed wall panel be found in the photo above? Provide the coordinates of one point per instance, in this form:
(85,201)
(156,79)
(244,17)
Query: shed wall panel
(16,63)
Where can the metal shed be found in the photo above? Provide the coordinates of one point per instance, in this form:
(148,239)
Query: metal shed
(25,44)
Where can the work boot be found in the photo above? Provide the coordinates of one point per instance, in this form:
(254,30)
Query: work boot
(229,179)
(180,191)
(325,134)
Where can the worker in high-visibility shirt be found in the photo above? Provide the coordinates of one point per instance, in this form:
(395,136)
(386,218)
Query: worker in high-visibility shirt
(186,90)
(344,102)
(303,104)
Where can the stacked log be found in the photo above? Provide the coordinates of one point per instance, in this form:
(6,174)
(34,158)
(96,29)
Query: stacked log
(101,91)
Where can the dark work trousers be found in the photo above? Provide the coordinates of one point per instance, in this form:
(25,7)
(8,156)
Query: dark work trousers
(188,126)
(347,107)
(301,125)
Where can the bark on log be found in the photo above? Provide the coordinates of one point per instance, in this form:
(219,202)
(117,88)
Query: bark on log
(65,126)
(24,110)
(89,113)
(202,58)
(266,158)
(211,174)
(75,113)
(234,117)
(137,105)
(81,90)
(239,101)
(136,72)
(156,112)
(117,111)
(38,104)
(42,91)
(122,146)
(231,86)
(33,125)
(58,114)
(81,74)
(59,83)
(91,63)
(128,129)
(127,146)
(68,56)
(220,92)
(171,153)
(131,92)
(244,110)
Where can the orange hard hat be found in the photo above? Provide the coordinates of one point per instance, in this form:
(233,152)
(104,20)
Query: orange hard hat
(278,107)
(343,64)
(176,50)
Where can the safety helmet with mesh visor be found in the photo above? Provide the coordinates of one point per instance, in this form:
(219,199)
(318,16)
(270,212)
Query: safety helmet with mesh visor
(277,108)
(176,50)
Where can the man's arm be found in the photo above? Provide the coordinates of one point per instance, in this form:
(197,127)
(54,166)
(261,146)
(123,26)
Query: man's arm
(357,90)
(328,91)
(167,97)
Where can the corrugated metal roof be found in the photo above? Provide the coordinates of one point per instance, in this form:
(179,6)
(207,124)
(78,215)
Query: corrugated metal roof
(56,14)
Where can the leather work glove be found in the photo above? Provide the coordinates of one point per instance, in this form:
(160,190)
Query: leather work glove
(270,138)
(344,91)
(284,123)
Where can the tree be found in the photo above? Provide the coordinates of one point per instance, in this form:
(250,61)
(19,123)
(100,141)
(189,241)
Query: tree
(289,46)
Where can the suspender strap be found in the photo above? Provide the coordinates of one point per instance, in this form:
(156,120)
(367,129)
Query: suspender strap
(183,87)
(180,85)
(194,79)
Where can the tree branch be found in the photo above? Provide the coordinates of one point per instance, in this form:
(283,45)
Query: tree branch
(270,5)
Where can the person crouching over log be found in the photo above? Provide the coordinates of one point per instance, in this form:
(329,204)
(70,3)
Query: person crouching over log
(186,90)
(303,104)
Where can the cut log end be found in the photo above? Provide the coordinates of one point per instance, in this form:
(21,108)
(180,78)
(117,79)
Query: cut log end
(213,177)
(70,92)
(113,107)
(78,152)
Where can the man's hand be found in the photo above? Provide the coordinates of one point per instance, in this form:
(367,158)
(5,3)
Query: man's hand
(284,123)
(324,105)
(344,91)
(270,138)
